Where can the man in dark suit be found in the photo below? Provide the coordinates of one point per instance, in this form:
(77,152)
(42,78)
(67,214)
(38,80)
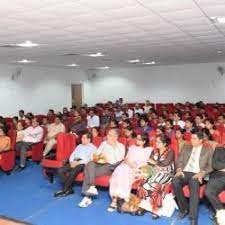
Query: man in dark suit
(194,163)
(216,182)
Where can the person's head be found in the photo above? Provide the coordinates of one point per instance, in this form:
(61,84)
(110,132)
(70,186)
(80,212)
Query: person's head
(187,115)
(21,113)
(113,124)
(58,119)
(95,131)
(65,110)
(126,123)
(142,140)
(179,132)
(159,131)
(147,102)
(189,123)
(3,130)
(44,121)
(112,136)
(15,120)
(176,116)
(30,114)
(209,124)
(76,113)
(206,134)
(19,126)
(91,113)
(162,142)
(168,124)
(34,122)
(51,112)
(221,119)
(137,106)
(86,138)
(161,119)
(129,132)
(196,137)
(28,120)
(144,121)
(137,116)
(198,119)
(124,116)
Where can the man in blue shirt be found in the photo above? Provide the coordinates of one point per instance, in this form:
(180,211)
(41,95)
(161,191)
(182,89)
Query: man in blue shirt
(77,161)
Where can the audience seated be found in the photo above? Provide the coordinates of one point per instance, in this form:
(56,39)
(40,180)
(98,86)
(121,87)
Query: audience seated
(108,156)
(162,161)
(21,114)
(216,183)
(53,130)
(81,155)
(162,123)
(32,134)
(92,120)
(5,141)
(129,170)
(193,164)
(19,131)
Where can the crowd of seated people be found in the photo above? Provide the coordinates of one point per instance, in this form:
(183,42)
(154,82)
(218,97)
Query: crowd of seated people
(175,142)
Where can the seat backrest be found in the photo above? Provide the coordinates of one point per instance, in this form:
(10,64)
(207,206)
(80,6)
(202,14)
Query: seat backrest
(44,133)
(12,134)
(66,143)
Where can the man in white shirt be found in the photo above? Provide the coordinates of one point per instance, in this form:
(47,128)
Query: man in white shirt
(177,120)
(92,120)
(81,155)
(53,130)
(138,109)
(108,156)
(31,135)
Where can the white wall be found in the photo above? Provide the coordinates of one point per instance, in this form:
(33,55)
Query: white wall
(41,88)
(37,89)
(190,82)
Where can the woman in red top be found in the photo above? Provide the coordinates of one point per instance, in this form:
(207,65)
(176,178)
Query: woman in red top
(209,124)
(96,139)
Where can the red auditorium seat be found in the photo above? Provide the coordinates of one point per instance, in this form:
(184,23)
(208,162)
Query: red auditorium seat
(202,193)
(66,143)
(7,158)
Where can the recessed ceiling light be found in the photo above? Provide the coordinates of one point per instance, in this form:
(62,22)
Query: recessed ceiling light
(25,61)
(219,51)
(134,61)
(103,68)
(149,63)
(27,44)
(98,54)
(72,65)
(218,19)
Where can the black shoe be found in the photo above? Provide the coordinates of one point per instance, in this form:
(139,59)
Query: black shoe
(19,168)
(59,193)
(183,214)
(63,193)
(155,216)
(194,222)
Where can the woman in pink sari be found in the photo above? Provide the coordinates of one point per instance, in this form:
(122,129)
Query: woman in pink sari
(127,172)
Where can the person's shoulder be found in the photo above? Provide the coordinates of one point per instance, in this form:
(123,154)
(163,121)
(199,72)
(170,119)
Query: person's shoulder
(92,146)
(120,145)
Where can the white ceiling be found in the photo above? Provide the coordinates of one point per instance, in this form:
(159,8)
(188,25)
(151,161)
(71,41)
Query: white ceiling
(166,31)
